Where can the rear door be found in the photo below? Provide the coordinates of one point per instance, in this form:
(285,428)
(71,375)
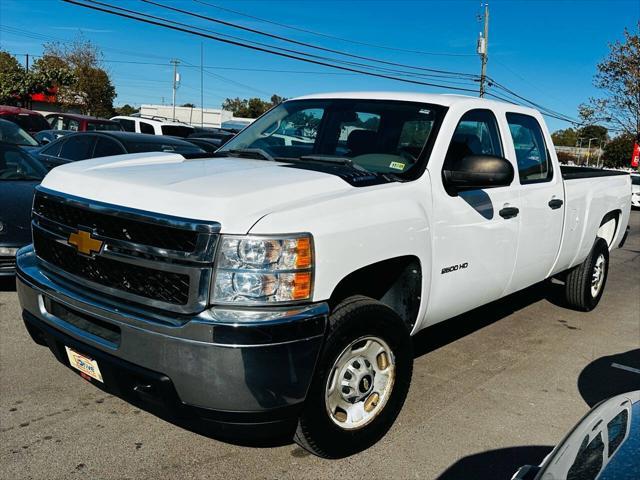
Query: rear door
(541,201)
(474,246)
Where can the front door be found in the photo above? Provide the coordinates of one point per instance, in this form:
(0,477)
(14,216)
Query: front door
(474,246)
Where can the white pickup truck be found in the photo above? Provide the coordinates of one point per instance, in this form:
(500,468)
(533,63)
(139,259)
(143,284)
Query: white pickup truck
(279,282)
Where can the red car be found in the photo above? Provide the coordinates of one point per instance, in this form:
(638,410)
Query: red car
(80,123)
(28,120)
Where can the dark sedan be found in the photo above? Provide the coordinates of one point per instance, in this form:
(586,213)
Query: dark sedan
(47,136)
(11,133)
(85,145)
(19,174)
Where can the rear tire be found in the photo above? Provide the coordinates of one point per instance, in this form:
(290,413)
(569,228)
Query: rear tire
(585,283)
(361,380)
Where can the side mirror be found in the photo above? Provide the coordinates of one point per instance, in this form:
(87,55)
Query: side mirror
(478,171)
(45,140)
(528,472)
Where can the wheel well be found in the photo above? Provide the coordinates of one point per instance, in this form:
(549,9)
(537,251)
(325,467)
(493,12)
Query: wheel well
(609,226)
(396,282)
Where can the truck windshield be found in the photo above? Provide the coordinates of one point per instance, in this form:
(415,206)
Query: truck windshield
(381,136)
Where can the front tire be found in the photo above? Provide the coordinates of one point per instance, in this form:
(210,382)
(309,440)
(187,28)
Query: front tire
(585,283)
(361,380)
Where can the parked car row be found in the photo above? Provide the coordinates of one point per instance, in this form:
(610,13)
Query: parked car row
(50,127)
(82,146)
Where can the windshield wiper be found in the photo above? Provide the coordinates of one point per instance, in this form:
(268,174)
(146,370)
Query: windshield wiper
(329,159)
(252,153)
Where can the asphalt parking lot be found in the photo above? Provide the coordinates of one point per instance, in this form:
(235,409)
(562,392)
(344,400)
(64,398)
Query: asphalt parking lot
(492,390)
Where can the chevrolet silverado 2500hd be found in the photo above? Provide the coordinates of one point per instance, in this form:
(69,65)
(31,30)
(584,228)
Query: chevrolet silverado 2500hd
(283,277)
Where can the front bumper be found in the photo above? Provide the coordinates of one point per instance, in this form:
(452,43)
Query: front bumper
(232,364)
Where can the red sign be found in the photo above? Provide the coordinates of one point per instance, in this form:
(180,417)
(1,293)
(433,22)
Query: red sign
(50,96)
(635,157)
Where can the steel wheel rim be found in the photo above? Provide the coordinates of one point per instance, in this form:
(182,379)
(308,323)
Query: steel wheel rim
(597,277)
(360,383)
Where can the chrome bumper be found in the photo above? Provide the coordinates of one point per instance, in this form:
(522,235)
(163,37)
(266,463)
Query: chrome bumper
(221,359)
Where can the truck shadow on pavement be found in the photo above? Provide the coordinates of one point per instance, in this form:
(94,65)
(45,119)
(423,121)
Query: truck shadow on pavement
(443,333)
(609,376)
(499,464)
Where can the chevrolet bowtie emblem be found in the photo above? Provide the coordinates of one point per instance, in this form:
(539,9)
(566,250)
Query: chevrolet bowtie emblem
(84,242)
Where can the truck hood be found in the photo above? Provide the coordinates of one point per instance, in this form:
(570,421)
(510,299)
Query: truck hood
(236,192)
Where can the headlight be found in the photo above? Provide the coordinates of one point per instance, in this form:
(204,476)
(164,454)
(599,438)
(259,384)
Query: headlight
(261,270)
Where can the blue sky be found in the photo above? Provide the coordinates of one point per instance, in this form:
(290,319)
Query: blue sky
(544,50)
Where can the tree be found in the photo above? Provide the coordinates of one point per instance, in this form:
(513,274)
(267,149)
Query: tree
(617,153)
(565,138)
(250,108)
(17,84)
(593,131)
(618,76)
(126,109)
(188,105)
(277,99)
(91,90)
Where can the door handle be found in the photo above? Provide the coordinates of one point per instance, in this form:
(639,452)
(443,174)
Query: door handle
(509,212)
(555,203)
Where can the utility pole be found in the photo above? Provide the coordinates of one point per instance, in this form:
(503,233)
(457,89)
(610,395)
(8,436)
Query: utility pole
(29,102)
(483,49)
(176,80)
(201,84)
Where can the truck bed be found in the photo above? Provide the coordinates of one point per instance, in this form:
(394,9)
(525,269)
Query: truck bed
(572,172)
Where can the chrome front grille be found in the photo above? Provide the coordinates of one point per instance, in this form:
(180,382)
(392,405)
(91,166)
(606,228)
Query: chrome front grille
(151,259)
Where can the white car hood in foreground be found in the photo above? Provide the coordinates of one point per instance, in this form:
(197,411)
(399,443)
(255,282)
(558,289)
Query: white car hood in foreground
(236,192)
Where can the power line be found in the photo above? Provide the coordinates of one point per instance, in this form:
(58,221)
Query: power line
(296,42)
(44,37)
(439,73)
(334,37)
(265,50)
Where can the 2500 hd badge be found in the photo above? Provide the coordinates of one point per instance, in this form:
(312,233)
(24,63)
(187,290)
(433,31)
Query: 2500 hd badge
(454,268)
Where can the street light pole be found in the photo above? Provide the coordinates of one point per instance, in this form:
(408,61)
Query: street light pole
(579,145)
(600,152)
(589,150)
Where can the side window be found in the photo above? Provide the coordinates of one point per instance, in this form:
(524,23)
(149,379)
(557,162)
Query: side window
(105,147)
(127,125)
(617,429)
(588,460)
(71,124)
(77,147)
(147,128)
(534,164)
(476,134)
(57,123)
(53,149)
